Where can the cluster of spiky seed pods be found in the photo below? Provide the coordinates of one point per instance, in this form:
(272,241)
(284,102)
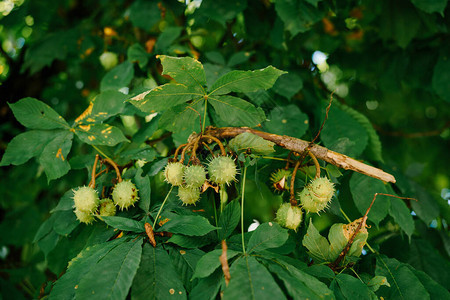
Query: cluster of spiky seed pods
(87,203)
(314,198)
(221,170)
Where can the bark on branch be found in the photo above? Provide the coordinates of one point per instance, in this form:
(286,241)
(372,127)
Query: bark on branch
(299,146)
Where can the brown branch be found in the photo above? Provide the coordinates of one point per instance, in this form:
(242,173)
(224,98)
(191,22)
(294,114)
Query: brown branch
(362,224)
(92,182)
(222,149)
(116,168)
(316,164)
(224,262)
(299,146)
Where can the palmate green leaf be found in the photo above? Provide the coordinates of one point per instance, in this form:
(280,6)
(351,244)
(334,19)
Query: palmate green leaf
(222,10)
(426,206)
(425,257)
(288,85)
(251,280)
(190,241)
(66,286)
(26,145)
(441,77)
(144,187)
(187,225)
(125,224)
(164,97)
(287,120)
(185,70)
(137,53)
(184,262)
(65,203)
(166,38)
(317,245)
(298,16)
(156,277)
(246,81)
(236,111)
(65,222)
(54,156)
(373,149)
(104,106)
(249,141)
(210,262)
(400,22)
(229,219)
(207,288)
(100,134)
(343,134)
(111,276)
(300,285)
(35,114)
(402,216)
(352,288)
(182,117)
(144,14)
(363,188)
(431,6)
(120,76)
(266,236)
(404,284)
(436,291)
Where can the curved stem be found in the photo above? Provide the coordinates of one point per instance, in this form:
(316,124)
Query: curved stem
(175,156)
(162,205)
(242,208)
(316,164)
(222,149)
(100,151)
(207,147)
(93,176)
(112,163)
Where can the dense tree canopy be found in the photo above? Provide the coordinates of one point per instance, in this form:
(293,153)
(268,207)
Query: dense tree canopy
(243,104)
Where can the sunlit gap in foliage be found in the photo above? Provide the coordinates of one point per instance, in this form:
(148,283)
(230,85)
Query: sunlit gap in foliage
(330,75)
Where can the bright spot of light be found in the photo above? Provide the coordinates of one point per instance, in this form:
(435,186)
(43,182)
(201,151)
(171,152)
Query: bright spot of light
(364,252)
(372,105)
(433,224)
(413,213)
(124,90)
(319,57)
(6,7)
(253,226)
(79,84)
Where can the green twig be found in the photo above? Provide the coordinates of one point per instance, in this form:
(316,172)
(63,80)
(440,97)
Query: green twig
(100,151)
(204,115)
(162,205)
(242,208)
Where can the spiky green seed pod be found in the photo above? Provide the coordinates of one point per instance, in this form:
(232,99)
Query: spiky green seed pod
(222,170)
(173,173)
(280,179)
(85,199)
(107,208)
(289,216)
(194,176)
(84,217)
(125,194)
(188,195)
(316,195)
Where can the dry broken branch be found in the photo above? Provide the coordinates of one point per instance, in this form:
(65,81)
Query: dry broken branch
(298,145)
